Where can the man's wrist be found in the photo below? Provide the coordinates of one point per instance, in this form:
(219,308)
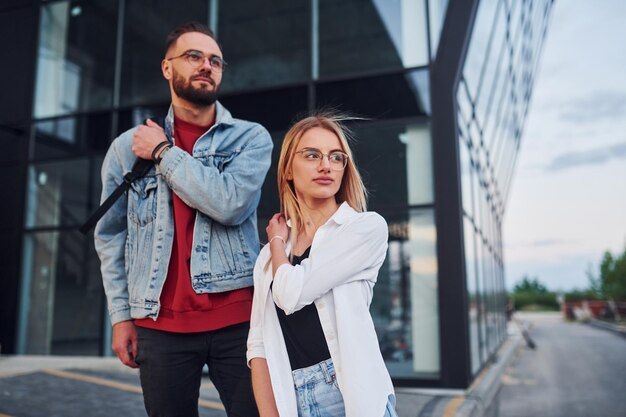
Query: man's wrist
(161,154)
(158,150)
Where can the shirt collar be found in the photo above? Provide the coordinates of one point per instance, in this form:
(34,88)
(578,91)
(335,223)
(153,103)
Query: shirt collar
(222,115)
(342,215)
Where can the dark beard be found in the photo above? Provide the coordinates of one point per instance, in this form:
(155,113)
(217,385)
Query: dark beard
(186,91)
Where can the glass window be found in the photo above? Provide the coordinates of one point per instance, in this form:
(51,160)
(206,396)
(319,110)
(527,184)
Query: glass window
(76,57)
(380,97)
(472,293)
(274,109)
(69,136)
(395,163)
(437,14)
(466,179)
(405,305)
(63,311)
(13,142)
(476,53)
(264,46)
(57,193)
(146,25)
(491,63)
(378,35)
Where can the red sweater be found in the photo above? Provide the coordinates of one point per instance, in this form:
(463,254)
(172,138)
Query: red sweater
(182,310)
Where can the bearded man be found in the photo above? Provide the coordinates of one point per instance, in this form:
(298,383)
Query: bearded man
(177,254)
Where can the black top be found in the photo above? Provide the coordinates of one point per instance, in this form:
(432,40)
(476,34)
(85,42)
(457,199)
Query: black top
(302,330)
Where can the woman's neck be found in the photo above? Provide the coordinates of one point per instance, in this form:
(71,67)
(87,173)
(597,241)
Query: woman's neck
(314,216)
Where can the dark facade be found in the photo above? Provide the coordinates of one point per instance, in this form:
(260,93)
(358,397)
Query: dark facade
(445,86)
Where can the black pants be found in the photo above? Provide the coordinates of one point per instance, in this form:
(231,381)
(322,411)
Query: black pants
(170,368)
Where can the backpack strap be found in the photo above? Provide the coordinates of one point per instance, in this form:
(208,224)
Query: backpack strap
(140,169)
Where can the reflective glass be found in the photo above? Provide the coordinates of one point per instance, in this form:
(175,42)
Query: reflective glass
(63,314)
(473,293)
(146,25)
(436,13)
(76,57)
(395,163)
(405,306)
(264,46)
(466,179)
(13,142)
(476,54)
(71,136)
(378,35)
(57,193)
(379,97)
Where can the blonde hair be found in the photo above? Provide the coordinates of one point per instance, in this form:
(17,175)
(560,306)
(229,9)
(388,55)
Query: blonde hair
(351,190)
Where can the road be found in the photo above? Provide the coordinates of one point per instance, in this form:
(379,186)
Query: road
(575,371)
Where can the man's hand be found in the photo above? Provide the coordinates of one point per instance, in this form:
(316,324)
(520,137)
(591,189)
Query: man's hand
(145,139)
(125,337)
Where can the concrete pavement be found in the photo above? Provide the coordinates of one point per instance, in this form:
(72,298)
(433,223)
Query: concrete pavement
(576,371)
(34,386)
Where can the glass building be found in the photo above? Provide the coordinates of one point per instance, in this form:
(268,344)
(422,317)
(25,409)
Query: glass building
(444,84)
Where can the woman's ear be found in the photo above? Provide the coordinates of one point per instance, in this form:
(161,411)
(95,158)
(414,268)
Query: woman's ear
(289,175)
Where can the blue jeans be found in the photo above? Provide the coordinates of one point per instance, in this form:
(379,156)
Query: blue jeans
(318,395)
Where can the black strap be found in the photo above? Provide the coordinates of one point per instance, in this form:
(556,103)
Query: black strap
(140,169)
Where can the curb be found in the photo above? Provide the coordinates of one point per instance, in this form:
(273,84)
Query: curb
(479,400)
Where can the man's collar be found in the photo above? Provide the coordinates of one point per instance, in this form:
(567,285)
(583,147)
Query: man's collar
(222,115)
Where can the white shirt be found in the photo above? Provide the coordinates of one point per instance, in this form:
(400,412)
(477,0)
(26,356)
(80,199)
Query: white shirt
(339,277)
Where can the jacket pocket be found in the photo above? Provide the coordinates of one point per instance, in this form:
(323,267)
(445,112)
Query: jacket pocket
(227,253)
(219,159)
(142,200)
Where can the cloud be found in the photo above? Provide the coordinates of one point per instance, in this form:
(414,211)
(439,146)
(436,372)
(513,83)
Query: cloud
(539,243)
(597,106)
(595,156)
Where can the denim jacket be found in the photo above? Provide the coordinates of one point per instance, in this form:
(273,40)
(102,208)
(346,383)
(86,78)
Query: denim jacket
(222,181)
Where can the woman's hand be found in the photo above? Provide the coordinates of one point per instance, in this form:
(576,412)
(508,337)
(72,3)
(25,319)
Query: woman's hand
(277,226)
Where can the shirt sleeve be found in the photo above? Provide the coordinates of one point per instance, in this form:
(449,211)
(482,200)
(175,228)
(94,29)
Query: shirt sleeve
(355,251)
(256,348)
(229,196)
(110,239)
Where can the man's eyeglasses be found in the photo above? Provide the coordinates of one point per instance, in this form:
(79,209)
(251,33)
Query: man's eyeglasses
(196,60)
(337,160)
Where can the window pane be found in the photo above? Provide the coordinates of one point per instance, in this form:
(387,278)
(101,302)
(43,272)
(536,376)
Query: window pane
(395,163)
(63,295)
(264,46)
(436,13)
(146,25)
(377,35)
(76,58)
(57,193)
(71,136)
(380,97)
(405,306)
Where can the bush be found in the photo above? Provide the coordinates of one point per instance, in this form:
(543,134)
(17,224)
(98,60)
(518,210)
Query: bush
(535,301)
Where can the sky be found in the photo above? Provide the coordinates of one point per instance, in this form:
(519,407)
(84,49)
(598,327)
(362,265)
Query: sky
(567,203)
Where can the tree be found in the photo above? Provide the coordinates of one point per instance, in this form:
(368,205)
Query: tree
(613,276)
(528,285)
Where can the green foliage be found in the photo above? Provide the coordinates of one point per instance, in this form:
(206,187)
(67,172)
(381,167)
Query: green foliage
(613,276)
(530,285)
(535,301)
(529,293)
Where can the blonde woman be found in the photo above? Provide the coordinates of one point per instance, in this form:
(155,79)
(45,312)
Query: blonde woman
(312,345)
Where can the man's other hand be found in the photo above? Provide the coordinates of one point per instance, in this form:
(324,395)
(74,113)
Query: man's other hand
(125,342)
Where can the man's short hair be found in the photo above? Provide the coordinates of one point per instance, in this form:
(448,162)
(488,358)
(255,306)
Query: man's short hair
(187,28)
